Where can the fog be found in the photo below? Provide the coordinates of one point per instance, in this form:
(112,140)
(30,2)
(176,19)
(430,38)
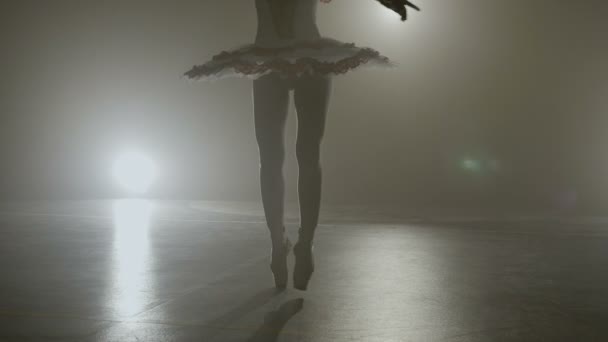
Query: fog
(494,104)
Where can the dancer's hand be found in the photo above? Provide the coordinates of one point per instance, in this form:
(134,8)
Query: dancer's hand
(399,6)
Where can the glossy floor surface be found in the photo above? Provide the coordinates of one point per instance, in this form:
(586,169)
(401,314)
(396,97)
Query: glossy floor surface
(198,271)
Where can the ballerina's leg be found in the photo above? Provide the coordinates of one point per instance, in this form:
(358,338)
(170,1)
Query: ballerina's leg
(311,98)
(270,102)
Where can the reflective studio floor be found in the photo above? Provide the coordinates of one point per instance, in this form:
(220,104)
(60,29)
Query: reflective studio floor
(135,270)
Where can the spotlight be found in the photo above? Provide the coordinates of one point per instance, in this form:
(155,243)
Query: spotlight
(471,165)
(135,172)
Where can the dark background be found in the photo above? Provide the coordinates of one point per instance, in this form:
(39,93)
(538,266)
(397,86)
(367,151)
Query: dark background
(519,88)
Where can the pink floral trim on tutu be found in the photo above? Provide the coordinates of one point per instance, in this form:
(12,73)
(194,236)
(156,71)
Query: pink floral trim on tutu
(299,67)
(272,51)
(254,61)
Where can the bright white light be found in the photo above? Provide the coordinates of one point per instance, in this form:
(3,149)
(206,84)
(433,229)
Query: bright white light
(133,285)
(135,172)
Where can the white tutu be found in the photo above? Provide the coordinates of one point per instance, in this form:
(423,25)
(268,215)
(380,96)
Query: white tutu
(322,56)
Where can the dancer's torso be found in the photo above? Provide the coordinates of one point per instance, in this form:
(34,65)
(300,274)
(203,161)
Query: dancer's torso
(297,22)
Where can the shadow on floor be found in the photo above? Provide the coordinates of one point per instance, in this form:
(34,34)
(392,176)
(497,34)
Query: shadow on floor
(251,304)
(275,320)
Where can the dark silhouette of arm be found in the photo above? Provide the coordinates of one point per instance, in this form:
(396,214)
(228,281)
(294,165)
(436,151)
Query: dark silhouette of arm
(399,6)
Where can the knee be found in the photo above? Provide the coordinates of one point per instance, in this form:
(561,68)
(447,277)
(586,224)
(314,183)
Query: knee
(308,154)
(272,159)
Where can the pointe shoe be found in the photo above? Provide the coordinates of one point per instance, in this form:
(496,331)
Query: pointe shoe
(278,264)
(304,267)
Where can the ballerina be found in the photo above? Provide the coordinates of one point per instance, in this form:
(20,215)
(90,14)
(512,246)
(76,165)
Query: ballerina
(288,54)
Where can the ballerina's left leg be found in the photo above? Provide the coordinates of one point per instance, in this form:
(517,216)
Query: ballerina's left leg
(311,99)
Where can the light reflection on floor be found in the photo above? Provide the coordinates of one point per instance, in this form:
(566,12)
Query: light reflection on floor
(171,271)
(132,277)
(380,282)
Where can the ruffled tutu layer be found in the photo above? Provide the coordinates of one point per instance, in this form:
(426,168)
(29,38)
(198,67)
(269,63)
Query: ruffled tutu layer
(319,57)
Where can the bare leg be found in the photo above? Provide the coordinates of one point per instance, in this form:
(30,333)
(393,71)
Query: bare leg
(270,101)
(311,100)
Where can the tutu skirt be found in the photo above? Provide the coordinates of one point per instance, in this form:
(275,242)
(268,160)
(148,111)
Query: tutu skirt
(322,56)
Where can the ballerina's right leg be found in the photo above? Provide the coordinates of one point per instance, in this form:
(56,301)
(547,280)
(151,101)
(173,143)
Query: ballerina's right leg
(270,103)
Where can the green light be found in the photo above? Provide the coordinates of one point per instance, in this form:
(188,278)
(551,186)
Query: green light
(472,165)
